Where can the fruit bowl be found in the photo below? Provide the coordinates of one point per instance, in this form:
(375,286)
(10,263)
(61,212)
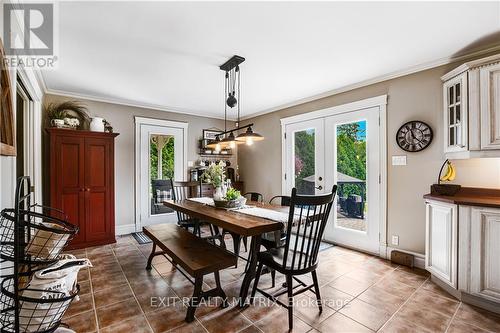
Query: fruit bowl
(236,203)
(445,189)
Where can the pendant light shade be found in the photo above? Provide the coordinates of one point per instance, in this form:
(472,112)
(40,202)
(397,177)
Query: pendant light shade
(230,141)
(249,137)
(217,144)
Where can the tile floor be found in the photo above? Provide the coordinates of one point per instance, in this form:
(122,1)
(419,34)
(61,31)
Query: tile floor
(362,293)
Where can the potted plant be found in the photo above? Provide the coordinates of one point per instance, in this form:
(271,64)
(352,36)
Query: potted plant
(67,114)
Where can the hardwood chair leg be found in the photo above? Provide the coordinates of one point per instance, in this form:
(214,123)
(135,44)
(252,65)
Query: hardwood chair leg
(256,282)
(151,256)
(290,301)
(193,302)
(316,288)
(221,292)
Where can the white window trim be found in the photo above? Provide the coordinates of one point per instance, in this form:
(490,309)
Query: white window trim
(155,122)
(381,103)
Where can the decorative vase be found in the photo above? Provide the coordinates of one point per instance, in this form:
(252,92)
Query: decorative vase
(218,193)
(57,123)
(97,124)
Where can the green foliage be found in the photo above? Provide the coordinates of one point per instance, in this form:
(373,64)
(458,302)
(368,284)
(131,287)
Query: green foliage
(167,160)
(232,194)
(351,158)
(304,158)
(214,174)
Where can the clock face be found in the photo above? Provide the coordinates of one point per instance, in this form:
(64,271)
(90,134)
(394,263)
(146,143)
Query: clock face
(414,136)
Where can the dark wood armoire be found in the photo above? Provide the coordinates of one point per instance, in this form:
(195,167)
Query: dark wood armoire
(82,183)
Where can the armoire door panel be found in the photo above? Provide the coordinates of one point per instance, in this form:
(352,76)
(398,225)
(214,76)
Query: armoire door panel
(70,164)
(97,180)
(96,155)
(73,205)
(97,214)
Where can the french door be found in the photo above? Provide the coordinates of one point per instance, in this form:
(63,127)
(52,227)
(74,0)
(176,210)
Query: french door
(161,155)
(342,149)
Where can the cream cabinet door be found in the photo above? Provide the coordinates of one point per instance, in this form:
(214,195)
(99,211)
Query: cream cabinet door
(489,77)
(441,241)
(485,253)
(455,114)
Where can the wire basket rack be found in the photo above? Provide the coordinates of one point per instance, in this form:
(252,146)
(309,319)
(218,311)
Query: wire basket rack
(31,238)
(39,310)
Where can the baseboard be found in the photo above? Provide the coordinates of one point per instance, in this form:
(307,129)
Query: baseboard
(419,258)
(124,229)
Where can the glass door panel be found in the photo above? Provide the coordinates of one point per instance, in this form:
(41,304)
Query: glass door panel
(352,205)
(304,161)
(304,152)
(161,170)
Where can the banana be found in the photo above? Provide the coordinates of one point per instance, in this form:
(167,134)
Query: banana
(448,173)
(453,172)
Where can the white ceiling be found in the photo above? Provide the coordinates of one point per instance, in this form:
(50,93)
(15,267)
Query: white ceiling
(166,54)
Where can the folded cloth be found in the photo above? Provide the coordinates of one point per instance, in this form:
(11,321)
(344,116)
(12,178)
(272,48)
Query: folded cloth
(203,200)
(269,214)
(56,281)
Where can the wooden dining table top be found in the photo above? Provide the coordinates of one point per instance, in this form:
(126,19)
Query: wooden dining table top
(230,220)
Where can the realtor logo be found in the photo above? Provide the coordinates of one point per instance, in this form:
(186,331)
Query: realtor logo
(28,29)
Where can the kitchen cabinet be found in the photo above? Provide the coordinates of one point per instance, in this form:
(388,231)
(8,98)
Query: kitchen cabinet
(463,244)
(471,109)
(441,241)
(81,165)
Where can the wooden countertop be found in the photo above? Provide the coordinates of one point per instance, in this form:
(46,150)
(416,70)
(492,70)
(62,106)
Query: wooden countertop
(470,196)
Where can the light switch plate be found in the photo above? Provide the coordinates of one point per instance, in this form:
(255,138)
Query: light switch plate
(399,160)
(190,164)
(395,240)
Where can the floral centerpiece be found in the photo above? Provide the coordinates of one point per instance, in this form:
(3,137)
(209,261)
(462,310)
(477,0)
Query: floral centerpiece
(223,197)
(215,175)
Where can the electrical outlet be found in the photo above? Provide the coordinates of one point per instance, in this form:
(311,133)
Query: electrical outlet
(395,240)
(190,164)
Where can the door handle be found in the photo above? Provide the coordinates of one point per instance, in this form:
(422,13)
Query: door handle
(319,187)
(87,189)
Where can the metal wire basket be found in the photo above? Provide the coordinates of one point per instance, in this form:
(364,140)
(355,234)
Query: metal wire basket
(39,310)
(45,236)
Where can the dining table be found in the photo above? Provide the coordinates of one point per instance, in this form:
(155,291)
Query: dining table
(236,223)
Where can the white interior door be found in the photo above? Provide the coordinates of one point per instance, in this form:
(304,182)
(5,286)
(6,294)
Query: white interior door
(304,150)
(352,162)
(161,156)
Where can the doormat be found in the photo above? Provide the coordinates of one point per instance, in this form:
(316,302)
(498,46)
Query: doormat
(141,238)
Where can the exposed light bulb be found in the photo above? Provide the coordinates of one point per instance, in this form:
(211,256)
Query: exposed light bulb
(249,141)
(218,147)
(232,144)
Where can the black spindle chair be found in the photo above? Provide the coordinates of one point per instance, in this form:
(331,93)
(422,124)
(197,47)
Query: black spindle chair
(254,196)
(183,191)
(307,219)
(284,200)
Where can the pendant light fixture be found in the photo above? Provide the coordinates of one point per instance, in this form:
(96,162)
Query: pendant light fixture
(232,84)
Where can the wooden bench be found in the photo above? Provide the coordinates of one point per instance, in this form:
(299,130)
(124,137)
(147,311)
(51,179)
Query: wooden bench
(194,255)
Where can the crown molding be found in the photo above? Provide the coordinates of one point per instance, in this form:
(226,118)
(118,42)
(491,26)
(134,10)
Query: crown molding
(378,79)
(125,102)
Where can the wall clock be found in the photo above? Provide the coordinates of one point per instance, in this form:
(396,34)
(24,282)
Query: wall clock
(414,136)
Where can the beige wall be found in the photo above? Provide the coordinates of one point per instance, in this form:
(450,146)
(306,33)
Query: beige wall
(412,97)
(122,119)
